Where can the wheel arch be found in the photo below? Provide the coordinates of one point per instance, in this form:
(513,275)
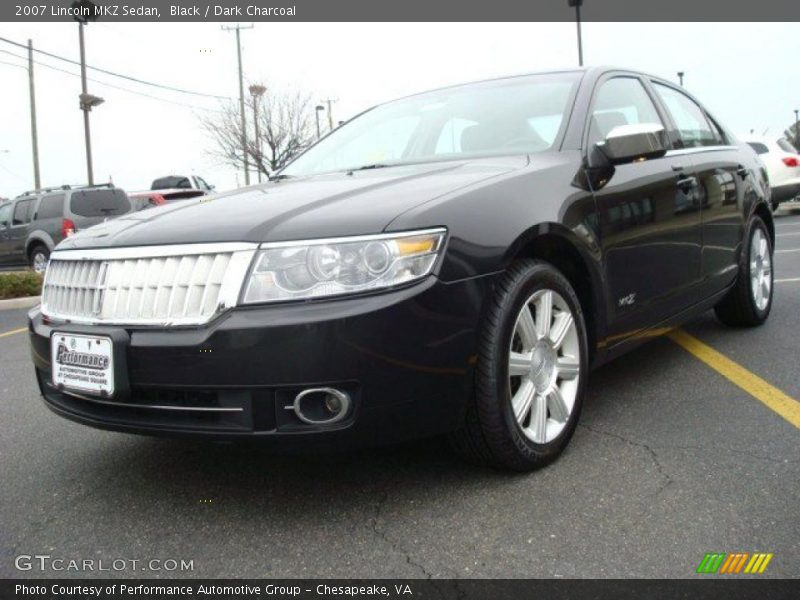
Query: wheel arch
(762,210)
(557,245)
(35,239)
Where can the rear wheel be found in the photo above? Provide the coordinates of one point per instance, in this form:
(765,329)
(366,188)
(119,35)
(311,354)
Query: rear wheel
(749,301)
(531,372)
(40,256)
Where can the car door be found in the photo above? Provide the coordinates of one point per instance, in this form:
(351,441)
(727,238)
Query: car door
(18,231)
(649,217)
(5,222)
(723,181)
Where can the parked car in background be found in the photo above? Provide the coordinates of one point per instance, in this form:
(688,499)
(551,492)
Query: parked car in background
(180,187)
(451,262)
(32,224)
(782,161)
(142,200)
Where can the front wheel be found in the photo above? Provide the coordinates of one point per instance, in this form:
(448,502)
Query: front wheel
(532,369)
(749,301)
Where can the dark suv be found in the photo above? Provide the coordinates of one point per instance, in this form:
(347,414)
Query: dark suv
(32,224)
(452,262)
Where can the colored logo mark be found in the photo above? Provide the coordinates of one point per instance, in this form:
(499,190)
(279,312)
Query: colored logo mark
(734,563)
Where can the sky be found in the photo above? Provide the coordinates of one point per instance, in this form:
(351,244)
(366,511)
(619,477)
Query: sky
(743,72)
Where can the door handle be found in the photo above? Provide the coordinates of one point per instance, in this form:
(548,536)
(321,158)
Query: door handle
(742,172)
(686,184)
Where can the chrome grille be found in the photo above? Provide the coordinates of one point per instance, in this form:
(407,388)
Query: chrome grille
(170,285)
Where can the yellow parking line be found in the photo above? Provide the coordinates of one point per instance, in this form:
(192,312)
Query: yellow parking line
(13,331)
(773,398)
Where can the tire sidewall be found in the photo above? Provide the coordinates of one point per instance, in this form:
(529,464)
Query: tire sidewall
(537,276)
(756,223)
(39,250)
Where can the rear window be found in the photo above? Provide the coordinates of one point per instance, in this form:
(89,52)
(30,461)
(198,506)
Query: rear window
(786,146)
(99,203)
(171,182)
(51,207)
(759,148)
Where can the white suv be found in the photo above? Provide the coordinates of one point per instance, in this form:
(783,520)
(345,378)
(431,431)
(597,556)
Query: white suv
(783,166)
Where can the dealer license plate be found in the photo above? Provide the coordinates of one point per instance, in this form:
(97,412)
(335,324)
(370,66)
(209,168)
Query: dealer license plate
(83,363)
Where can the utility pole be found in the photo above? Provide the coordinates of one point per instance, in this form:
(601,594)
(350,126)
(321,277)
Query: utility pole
(680,77)
(797,129)
(256,91)
(330,102)
(87,100)
(318,109)
(243,122)
(34,135)
(577,4)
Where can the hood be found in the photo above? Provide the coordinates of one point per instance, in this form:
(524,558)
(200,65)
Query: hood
(332,205)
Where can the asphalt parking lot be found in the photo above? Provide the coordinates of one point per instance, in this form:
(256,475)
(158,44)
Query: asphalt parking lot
(671,460)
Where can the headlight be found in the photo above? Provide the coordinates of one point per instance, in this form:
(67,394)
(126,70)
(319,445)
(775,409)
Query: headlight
(318,268)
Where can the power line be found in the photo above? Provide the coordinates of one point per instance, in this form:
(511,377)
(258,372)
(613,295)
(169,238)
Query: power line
(103,83)
(113,74)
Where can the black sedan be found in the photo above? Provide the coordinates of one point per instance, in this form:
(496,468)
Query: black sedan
(451,262)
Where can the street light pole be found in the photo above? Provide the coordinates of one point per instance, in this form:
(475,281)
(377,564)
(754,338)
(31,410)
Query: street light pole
(242,120)
(318,109)
(34,134)
(256,91)
(680,77)
(86,133)
(577,4)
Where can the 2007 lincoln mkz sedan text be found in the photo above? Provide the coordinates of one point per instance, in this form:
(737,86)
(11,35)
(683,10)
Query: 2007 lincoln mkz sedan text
(451,262)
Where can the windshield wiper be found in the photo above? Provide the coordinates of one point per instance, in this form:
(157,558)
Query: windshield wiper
(366,167)
(281,177)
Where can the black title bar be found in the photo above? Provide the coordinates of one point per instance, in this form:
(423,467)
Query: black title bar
(402,10)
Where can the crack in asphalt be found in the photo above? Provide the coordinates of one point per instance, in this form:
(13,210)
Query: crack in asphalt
(394,545)
(651,449)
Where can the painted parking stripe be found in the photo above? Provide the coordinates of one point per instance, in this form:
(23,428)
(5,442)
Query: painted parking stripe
(13,332)
(788,280)
(788,234)
(773,398)
(787,251)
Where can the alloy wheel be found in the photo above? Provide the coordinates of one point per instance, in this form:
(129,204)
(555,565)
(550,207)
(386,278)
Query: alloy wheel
(40,262)
(544,366)
(760,269)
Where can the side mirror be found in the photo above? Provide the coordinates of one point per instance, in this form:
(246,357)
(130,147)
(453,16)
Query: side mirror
(633,143)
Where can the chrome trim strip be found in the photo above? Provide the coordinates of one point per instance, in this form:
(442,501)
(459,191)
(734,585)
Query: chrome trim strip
(129,252)
(699,150)
(354,238)
(152,406)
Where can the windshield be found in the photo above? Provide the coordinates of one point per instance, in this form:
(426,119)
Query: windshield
(514,116)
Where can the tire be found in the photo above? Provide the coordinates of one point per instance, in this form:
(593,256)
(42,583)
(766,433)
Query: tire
(775,205)
(39,257)
(746,304)
(499,430)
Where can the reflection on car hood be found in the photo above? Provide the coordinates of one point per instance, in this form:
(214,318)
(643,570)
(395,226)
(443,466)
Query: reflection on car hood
(331,205)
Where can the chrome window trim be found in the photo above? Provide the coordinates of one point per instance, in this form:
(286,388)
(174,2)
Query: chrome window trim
(700,149)
(390,235)
(242,254)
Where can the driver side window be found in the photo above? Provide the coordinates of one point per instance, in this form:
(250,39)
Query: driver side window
(5,215)
(620,101)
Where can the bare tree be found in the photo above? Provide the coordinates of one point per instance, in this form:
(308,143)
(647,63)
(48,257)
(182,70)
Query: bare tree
(285,128)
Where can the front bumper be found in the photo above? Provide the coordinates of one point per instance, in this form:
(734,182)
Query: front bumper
(405,358)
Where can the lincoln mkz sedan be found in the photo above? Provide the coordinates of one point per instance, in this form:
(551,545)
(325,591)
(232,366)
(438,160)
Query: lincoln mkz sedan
(453,262)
